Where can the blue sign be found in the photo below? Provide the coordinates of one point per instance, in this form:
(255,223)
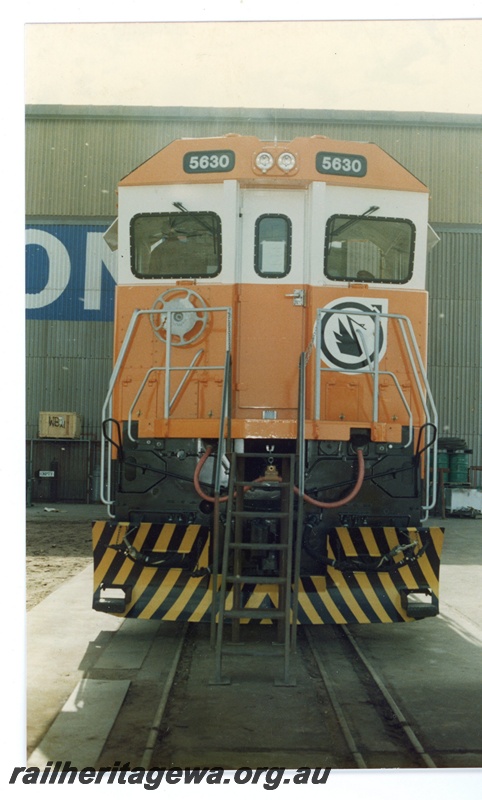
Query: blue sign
(70,273)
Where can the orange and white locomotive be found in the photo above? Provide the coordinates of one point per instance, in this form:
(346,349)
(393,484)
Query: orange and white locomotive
(270,432)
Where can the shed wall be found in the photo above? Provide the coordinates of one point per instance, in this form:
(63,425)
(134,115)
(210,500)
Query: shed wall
(68,369)
(455,335)
(74,163)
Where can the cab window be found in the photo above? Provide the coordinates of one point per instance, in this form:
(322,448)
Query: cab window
(272,249)
(178,245)
(369,249)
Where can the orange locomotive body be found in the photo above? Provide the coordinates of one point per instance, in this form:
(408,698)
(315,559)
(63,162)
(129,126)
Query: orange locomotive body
(271,432)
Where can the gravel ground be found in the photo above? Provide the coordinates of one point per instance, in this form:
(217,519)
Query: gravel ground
(58,545)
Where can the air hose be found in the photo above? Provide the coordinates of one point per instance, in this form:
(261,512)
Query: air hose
(317,503)
(344,500)
(224,499)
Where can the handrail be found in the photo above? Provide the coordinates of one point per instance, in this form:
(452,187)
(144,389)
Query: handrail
(301,443)
(417,369)
(107,409)
(399,390)
(105,494)
(301,449)
(186,369)
(433,420)
(225,417)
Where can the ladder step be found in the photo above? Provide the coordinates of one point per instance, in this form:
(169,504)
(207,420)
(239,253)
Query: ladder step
(257,546)
(239,650)
(267,482)
(261,514)
(257,579)
(255,613)
(240,513)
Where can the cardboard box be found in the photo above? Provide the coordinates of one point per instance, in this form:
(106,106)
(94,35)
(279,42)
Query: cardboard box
(59,425)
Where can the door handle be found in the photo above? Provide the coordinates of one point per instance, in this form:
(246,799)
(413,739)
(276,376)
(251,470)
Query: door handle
(299,297)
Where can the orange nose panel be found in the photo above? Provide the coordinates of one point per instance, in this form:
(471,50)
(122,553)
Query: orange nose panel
(270,341)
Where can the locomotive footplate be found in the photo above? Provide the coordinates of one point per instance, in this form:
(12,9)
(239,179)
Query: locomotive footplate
(162,571)
(374,574)
(149,570)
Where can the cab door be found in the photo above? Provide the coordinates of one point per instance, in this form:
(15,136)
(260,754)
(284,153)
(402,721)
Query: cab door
(272,298)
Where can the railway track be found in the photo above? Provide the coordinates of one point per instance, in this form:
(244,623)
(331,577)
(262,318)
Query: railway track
(376,730)
(339,714)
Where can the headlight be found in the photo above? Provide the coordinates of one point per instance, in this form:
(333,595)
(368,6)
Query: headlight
(264,161)
(286,161)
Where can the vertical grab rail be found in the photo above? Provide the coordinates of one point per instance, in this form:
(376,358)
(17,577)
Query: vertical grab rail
(224,433)
(224,421)
(226,398)
(168,402)
(167,379)
(430,501)
(301,448)
(376,367)
(105,496)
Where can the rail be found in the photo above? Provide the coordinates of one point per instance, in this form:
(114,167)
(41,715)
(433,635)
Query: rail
(168,369)
(387,709)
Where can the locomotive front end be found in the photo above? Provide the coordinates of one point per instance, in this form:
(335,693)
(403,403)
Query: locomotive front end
(270,434)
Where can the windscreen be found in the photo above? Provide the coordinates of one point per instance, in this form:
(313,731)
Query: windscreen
(369,249)
(178,245)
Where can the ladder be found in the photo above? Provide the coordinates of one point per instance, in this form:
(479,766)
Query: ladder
(240,546)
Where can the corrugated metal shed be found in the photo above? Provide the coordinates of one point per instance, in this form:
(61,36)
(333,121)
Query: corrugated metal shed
(72,464)
(455,334)
(75,157)
(68,369)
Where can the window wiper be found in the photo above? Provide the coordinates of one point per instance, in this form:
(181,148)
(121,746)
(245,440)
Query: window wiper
(210,229)
(352,221)
(194,217)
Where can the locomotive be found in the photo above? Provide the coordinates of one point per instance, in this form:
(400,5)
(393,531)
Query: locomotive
(270,437)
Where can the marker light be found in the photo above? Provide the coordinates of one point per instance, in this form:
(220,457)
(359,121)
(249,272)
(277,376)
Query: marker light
(286,161)
(264,161)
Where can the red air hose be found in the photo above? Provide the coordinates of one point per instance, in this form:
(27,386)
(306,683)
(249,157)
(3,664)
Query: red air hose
(349,496)
(317,503)
(197,472)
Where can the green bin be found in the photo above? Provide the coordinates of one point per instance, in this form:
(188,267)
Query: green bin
(442,459)
(459,467)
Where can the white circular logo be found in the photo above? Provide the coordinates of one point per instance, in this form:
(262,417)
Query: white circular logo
(348,333)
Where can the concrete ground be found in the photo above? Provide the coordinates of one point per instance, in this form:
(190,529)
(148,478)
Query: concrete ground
(77,512)
(433,667)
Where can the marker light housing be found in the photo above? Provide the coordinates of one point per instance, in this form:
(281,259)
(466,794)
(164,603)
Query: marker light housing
(264,161)
(286,161)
